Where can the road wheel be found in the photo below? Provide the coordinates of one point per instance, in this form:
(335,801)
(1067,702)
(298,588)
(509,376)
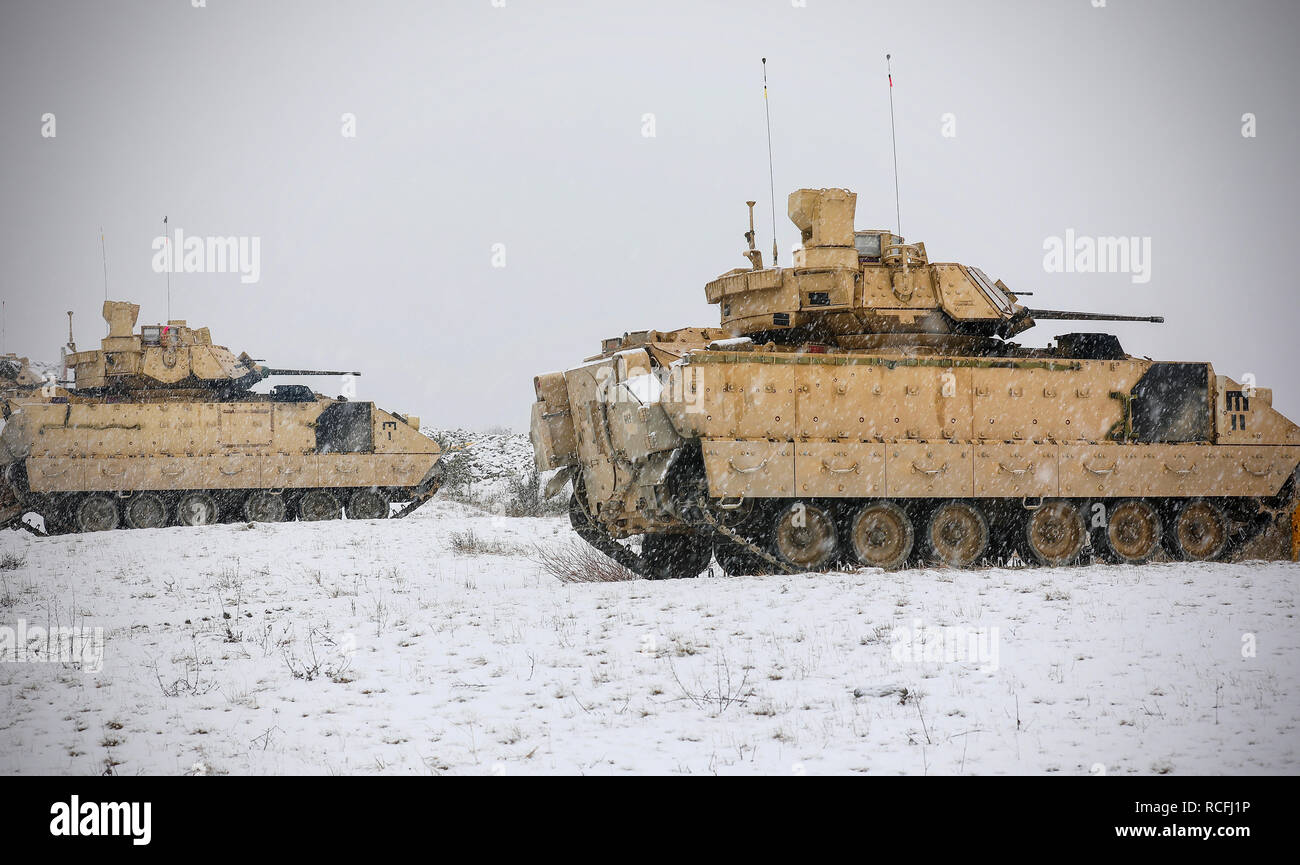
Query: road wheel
(368,505)
(1133,531)
(1056,533)
(196,509)
(1199,532)
(318,505)
(957,534)
(263,506)
(673,557)
(805,536)
(145,511)
(881,536)
(98,513)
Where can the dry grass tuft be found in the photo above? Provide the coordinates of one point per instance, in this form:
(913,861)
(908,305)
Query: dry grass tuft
(578,562)
(468,543)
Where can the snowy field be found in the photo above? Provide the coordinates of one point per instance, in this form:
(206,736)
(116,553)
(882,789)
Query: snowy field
(407,647)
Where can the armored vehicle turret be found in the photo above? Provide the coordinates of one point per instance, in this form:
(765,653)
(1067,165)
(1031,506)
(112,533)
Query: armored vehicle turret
(166,361)
(871,289)
(160,426)
(866,406)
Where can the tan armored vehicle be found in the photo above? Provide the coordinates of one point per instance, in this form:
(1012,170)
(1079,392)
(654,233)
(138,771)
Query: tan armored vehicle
(17,376)
(866,406)
(160,427)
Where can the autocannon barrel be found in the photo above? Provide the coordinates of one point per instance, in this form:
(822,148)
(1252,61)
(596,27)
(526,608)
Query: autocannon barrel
(1066,315)
(269,371)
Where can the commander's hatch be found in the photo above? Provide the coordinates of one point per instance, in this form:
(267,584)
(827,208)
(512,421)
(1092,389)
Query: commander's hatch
(870,244)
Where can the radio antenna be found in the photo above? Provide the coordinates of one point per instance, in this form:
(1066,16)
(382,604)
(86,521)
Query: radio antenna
(771,183)
(167,241)
(103,251)
(893,137)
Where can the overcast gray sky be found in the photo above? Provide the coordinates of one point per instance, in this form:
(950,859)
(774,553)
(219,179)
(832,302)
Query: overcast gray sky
(523,126)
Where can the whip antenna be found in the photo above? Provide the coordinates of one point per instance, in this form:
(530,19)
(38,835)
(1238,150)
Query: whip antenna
(771,183)
(898,212)
(103,251)
(167,241)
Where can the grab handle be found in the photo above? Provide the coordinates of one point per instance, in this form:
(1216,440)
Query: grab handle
(749,471)
(1248,470)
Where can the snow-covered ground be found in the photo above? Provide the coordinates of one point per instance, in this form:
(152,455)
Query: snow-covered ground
(377,647)
(491,455)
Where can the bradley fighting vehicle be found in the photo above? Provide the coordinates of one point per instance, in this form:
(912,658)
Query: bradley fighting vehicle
(161,427)
(867,406)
